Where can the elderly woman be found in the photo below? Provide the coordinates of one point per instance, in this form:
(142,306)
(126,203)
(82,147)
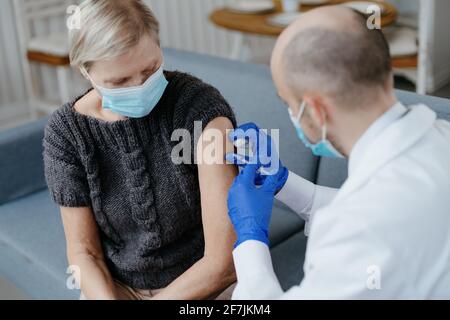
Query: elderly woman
(138,225)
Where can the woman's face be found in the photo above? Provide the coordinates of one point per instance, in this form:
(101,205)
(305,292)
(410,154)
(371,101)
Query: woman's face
(131,69)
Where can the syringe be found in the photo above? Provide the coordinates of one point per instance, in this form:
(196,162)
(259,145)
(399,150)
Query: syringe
(245,151)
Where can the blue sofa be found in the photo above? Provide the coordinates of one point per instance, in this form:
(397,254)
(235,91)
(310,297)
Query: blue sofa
(32,245)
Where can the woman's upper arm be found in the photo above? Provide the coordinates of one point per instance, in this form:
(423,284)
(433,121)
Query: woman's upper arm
(64,172)
(215,178)
(81,232)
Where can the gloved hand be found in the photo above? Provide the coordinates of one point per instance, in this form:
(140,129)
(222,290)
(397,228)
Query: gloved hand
(250,206)
(264,154)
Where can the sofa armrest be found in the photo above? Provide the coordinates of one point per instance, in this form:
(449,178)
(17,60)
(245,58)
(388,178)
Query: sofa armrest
(21,162)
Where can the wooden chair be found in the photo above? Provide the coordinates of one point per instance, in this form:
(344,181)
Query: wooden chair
(49,49)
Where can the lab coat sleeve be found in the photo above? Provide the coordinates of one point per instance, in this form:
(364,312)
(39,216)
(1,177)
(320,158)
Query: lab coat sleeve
(255,276)
(304,197)
(337,268)
(324,280)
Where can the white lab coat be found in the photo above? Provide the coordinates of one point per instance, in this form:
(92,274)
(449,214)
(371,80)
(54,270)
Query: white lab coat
(384,235)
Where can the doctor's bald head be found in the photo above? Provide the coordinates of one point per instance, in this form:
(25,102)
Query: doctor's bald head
(330,51)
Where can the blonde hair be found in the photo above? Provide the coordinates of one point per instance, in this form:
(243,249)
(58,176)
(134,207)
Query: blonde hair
(108,29)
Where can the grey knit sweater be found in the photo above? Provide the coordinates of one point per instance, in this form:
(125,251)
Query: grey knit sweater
(146,207)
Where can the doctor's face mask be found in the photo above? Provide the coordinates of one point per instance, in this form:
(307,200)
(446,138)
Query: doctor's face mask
(324,148)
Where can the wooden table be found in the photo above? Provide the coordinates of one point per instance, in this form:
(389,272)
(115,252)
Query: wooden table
(257,24)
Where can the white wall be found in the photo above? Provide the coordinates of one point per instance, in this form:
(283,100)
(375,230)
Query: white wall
(440,40)
(11,81)
(185,25)
(406,5)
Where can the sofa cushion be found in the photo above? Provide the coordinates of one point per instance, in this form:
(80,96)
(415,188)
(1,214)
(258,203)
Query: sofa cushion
(32,247)
(332,172)
(22,170)
(288,259)
(440,105)
(283,225)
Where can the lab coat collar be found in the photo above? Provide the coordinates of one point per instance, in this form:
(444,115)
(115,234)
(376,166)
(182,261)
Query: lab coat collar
(389,117)
(386,140)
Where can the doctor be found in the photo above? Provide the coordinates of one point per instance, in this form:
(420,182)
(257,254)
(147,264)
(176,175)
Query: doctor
(386,233)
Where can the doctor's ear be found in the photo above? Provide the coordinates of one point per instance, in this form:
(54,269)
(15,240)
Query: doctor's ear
(316,110)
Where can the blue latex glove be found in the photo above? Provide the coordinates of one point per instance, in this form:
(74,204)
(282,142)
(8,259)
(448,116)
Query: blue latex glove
(250,206)
(264,153)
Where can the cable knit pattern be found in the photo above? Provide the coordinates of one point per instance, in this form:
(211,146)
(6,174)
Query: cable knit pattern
(147,208)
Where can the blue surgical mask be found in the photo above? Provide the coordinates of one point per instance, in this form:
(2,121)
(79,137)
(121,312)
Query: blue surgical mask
(134,102)
(324,148)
